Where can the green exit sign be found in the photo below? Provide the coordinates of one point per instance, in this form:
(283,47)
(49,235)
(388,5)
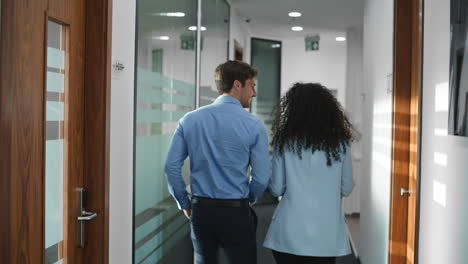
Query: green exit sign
(312,43)
(189,42)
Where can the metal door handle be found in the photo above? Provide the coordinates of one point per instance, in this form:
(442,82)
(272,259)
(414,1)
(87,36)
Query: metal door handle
(404,191)
(82,217)
(86,216)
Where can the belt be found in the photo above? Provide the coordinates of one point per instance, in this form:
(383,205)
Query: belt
(210,202)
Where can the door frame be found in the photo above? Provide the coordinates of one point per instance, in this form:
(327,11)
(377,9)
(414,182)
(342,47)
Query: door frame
(22,137)
(406,131)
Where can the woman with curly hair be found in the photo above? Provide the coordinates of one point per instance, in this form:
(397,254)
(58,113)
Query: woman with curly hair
(312,172)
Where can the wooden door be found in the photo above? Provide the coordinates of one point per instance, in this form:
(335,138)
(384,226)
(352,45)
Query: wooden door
(54,102)
(406,133)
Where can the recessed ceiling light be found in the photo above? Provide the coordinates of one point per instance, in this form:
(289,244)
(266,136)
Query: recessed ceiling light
(168,14)
(340,39)
(194,28)
(162,37)
(296,28)
(294,14)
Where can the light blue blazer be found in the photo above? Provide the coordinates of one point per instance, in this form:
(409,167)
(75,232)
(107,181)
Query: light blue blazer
(309,220)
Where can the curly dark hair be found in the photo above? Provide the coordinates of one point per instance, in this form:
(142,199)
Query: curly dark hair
(310,117)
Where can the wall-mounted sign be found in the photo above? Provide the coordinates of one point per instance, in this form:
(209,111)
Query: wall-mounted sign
(189,42)
(312,43)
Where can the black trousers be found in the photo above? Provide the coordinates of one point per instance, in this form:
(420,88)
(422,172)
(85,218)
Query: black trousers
(232,228)
(285,258)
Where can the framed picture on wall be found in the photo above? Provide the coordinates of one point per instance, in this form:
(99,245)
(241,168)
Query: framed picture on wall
(458,81)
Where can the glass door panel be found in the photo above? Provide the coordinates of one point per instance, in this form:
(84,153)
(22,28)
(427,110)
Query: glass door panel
(54,156)
(165,91)
(215,46)
(266,58)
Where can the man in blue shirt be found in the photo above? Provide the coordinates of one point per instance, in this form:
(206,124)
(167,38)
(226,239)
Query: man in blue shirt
(222,141)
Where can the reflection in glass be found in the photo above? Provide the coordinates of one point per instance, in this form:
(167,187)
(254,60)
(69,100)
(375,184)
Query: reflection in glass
(215,46)
(266,58)
(458,111)
(165,91)
(54,162)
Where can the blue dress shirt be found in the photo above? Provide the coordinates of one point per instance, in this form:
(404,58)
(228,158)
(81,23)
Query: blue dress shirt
(222,140)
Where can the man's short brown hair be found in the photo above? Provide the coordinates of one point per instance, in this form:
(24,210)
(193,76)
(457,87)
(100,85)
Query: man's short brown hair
(228,72)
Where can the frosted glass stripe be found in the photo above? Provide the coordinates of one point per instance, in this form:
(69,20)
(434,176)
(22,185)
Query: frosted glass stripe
(55,82)
(54,192)
(158,96)
(158,116)
(55,58)
(157,80)
(144,129)
(164,107)
(204,102)
(207,91)
(55,111)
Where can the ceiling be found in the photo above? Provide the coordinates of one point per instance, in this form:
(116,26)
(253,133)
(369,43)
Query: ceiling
(150,24)
(271,16)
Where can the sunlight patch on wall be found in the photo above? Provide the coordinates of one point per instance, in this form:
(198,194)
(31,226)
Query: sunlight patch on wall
(440,159)
(440,193)
(383,126)
(442,97)
(384,141)
(442,132)
(381,159)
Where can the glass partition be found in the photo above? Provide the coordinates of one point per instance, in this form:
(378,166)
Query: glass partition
(165,91)
(54,154)
(215,46)
(266,58)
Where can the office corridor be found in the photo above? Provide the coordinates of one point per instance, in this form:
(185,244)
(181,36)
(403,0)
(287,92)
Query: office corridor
(92,92)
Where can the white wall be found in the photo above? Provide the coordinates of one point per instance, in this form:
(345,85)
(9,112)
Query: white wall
(121,136)
(214,53)
(178,64)
(239,31)
(377,108)
(326,66)
(443,228)
(354,101)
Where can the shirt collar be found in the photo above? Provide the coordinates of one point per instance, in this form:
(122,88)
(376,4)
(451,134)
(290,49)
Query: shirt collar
(223,99)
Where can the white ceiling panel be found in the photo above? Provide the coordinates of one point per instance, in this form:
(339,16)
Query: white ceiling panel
(271,16)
